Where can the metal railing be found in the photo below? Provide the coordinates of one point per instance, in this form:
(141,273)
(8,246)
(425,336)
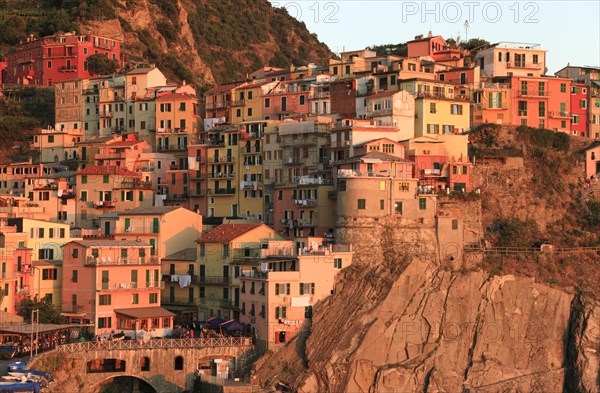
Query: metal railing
(163,343)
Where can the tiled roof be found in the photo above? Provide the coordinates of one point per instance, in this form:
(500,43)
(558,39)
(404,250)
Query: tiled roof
(138,71)
(223,88)
(110,243)
(225,233)
(107,170)
(375,155)
(123,144)
(176,96)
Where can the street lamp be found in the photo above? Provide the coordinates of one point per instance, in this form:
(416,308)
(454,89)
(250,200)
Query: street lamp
(35,318)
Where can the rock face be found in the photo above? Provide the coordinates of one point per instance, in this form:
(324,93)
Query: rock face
(208,42)
(441,331)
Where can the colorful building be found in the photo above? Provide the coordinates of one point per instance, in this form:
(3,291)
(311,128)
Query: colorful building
(56,58)
(224,254)
(277,296)
(579,109)
(512,59)
(114,285)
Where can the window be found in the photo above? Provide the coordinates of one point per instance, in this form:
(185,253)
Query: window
(267,102)
(145,363)
(238,113)
(524,88)
(432,107)
(522,108)
(83,179)
(563,124)
(541,109)
(535,59)
(280,312)
(249,111)
(563,87)
(337,263)
(135,298)
(575,119)
(307,288)
(456,109)
(422,203)
(105,323)
(583,104)
(362,204)
(541,89)
(74,275)
(104,300)
(179,363)
(454,224)
(225,250)
(50,274)
(381,204)
(105,179)
(433,128)
(302,100)
(282,289)
(153,298)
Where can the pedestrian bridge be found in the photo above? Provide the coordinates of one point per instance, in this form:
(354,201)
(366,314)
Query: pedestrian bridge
(167,365)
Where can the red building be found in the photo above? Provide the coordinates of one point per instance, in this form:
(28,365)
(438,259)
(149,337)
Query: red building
(343,97)
(579,110)
(56,58)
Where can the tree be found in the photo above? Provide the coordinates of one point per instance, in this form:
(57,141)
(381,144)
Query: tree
(100,64)
(48,313)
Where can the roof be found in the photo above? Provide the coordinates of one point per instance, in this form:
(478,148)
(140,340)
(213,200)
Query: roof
(141,211)
(107,170)
(144,312)
(375,155)
(384,94)
(139,71)
(375,140)
(426,38)
(28,328)
(223,88)
(109,243)
(592,145)
(123,144)
(225,233)
(176,96)
(187,254)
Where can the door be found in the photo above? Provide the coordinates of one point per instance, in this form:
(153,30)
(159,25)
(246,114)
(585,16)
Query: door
(107,229)
(597,167)
(234,210)
(236,296)
(283,104)
(202,272)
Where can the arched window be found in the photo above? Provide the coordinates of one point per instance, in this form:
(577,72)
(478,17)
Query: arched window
(145,363)
(179,363)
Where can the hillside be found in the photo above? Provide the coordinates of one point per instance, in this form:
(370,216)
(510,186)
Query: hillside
(401,322)
(201,41)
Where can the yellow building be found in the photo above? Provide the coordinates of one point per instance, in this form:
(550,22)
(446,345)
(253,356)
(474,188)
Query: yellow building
(437,109)
(57,145)
(176,121)
(45,239)
(181,296)
(109,188)
(247,103)
(223,255)
(168,229)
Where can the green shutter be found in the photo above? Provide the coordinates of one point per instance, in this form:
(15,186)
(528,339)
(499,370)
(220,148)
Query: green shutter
(155,225)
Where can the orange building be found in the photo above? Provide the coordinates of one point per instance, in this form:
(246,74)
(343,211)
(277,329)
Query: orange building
(115,285)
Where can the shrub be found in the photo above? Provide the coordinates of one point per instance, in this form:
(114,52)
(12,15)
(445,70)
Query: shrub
(514,232)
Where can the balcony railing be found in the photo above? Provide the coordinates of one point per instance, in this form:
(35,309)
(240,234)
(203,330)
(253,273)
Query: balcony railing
(109,261)
(214,280)
(560,115)
(239,103)
(135,184)
(293,161)
(306,202)
(522,64)
(171,147)
(221,191)
(158,343)
(246,254)
(222,160)
(249,185)
(221,175)
(177,197)
(67,69)
(216,105)
(103,204)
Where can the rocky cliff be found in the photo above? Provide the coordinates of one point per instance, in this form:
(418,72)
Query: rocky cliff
(201,41)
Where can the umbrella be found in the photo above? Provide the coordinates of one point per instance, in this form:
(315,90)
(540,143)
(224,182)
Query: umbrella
(215,321)
(232,326)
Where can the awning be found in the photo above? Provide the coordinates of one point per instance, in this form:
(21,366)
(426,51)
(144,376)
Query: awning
(72,314)
(144,312)
(28,328)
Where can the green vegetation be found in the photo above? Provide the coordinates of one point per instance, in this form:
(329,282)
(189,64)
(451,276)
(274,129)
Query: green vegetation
(48,313)
(513,232)
(390,49)
(485,135)
(401,49)
(100,64)
(543,140)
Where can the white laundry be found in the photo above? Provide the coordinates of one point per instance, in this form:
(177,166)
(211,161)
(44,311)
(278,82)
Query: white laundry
(174,278)
(192,163)
(185,281)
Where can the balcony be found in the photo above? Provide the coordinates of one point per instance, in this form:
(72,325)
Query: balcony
(533,93)
(221,175)
(246,254)
(346,173)
(431,172)
(171,148)
(293,161)
(222,160)
(105,114)
(91,260)
(162,130)
(216,105)
(197,193)
(221,191)
(249,185)
(524,65)
(103,204)
(128,286)
(560,115)
(320,95)
(214,280)
(176,197)
(67,69)
(212,302)
(380,112)
(306,202)
(137,230)
(239,103)
(135,184)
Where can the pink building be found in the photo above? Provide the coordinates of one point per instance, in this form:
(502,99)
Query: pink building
(285,99)
(115,285)
(56,58)
(592,160)
(277,300)
(122,153)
